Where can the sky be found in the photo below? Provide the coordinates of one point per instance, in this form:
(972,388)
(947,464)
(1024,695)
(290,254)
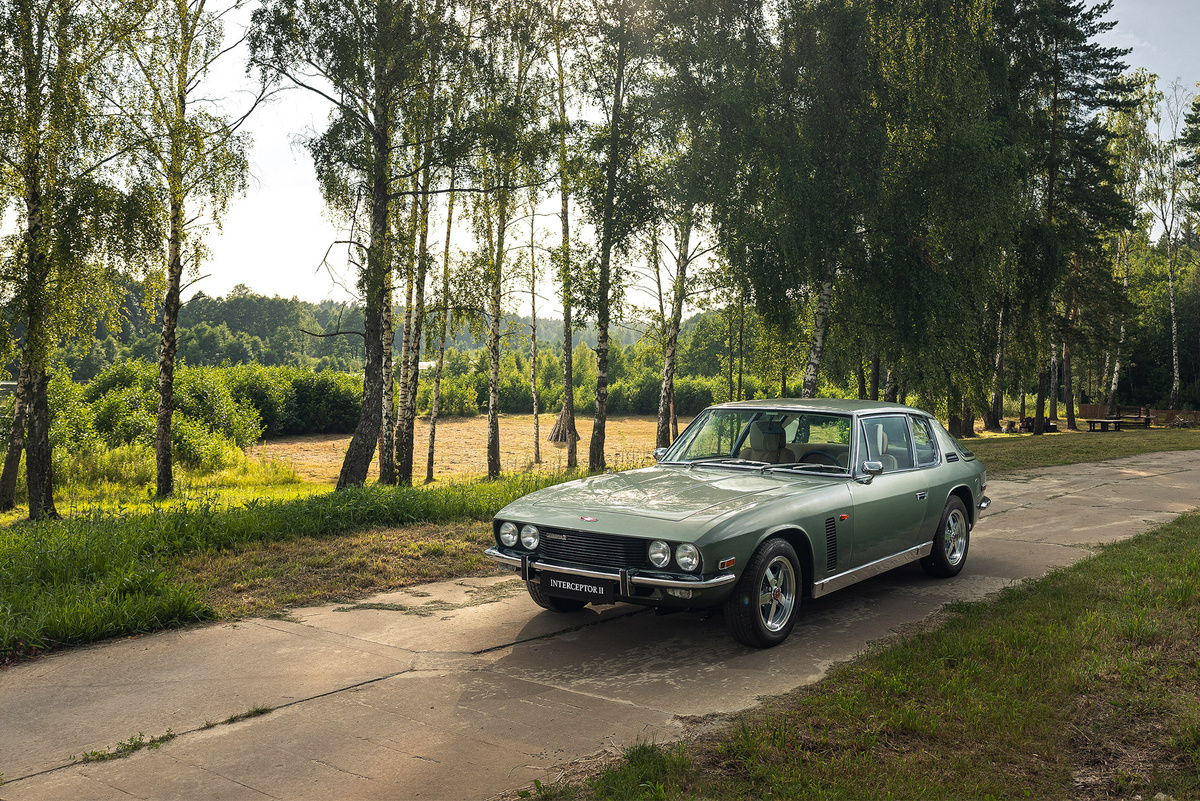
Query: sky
(275,238)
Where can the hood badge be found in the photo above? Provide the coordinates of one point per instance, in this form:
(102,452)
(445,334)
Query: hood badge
(589,519)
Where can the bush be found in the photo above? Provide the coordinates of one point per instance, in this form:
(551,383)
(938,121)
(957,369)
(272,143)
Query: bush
(200,447)
(693,395)
(457,397)
(266,389)
(322,403)
(636,394)
(203,396)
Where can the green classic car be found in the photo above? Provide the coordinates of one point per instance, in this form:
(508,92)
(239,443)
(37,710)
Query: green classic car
(757,505)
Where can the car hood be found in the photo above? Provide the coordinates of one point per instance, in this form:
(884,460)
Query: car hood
(662,493)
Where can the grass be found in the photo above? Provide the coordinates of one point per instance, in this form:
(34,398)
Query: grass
(1081,684)
(1003,453)
(126,747)
(103,574)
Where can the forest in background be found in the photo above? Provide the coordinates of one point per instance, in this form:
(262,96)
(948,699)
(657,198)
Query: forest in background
(962,204)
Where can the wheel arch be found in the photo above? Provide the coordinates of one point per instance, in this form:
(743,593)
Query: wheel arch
(963,493)
(802,545)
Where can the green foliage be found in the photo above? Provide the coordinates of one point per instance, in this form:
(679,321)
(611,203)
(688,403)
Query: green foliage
(458,396)
(104,575)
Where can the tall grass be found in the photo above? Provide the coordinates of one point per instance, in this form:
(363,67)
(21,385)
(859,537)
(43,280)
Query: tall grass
(106,574)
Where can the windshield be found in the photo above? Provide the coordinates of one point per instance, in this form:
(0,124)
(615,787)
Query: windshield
(817,441)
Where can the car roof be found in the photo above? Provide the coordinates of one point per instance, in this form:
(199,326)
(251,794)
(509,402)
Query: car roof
(839,405)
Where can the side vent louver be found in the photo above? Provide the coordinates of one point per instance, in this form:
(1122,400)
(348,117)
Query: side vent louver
(831,544)
(951,457)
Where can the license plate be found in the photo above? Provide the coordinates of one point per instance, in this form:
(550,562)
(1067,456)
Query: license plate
(585,589)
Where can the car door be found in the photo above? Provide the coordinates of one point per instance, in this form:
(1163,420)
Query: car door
(890,508)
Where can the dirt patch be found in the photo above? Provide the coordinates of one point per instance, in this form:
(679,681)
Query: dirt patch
(461,447)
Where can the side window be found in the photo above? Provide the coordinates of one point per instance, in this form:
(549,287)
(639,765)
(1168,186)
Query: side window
(886,439)
(924,443)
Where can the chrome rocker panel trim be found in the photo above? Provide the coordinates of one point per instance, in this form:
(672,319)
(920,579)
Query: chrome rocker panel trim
(527,567)
(883,565)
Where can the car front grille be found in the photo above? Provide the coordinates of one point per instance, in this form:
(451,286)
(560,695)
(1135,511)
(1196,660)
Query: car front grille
(590,548)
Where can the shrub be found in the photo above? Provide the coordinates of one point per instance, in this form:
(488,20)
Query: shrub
(456,399)
(203,396)
(266,389)
(693,395)
(323,403)
(200,447)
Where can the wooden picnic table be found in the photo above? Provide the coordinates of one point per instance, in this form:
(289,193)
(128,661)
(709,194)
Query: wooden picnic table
(1103,423)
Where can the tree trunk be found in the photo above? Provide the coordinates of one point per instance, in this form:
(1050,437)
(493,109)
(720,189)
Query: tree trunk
(666,398)
(16,442)
(1174,324)
(387,433)
(164,477)
(406,340)
(408,413)
(1054,386)
(816,349)
(890,387)
(533,388)
(445,332)
(954,413)
(1039,415)
(373,283)
(1068,384)
(862,381)
(967,426)
(875,377)
(596,461)
(566,418)
(39,464)
(991,420)
(496,249)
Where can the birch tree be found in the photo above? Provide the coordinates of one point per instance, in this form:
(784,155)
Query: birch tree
(82,222)
(190,149)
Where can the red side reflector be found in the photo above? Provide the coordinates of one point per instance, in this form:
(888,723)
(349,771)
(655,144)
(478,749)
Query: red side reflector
(725,564)
(844,517)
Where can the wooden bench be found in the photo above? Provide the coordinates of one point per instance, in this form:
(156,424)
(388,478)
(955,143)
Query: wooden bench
(1103,423)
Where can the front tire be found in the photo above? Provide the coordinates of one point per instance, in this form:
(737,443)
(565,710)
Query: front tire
(762,610)
(951,542)
(552,602)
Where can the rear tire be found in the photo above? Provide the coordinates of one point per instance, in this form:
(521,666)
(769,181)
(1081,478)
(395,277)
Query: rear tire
(553,602)
(951,542)
(762,610)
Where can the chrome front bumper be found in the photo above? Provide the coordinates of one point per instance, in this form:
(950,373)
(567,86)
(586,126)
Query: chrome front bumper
(984,503)
(528,566)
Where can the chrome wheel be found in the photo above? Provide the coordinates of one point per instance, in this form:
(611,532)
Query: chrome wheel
(954,537)
(951,542)
(777,594)
(762,609)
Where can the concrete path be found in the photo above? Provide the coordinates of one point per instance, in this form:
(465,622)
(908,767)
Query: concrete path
(465,689)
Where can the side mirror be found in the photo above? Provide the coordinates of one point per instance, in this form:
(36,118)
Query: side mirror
(872,469)
(659,453)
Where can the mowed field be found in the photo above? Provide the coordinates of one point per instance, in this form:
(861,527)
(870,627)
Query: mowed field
(461,447)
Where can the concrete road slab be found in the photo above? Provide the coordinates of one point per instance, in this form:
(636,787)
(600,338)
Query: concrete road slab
(463,689)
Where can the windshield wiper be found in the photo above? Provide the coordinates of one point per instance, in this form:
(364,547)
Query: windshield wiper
(723,460)
(806,466)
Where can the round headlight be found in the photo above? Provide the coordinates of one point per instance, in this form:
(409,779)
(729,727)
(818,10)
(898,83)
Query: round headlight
(529,537)
(508,534)
(688,557)
(660,553)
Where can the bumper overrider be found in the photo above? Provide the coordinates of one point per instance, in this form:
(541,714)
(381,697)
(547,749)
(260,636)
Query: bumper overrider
(530,567)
